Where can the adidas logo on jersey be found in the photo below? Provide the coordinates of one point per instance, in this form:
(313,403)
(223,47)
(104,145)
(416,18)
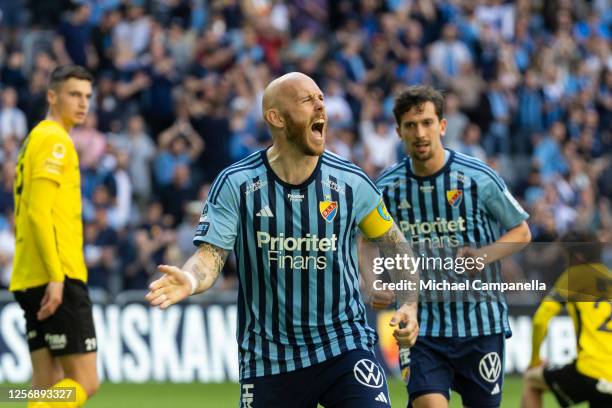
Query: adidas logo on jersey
(382,398)
(495,390)
(265,212)
(404,205)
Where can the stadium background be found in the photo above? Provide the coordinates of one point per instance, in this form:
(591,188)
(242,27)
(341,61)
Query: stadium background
(178,90)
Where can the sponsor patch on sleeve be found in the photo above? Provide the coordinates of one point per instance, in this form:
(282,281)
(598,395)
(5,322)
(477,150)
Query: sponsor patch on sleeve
(202,229)
(53,166)
(58,151)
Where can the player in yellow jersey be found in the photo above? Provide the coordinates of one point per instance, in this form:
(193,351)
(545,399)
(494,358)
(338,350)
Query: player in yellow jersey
(585,289)
(49,272)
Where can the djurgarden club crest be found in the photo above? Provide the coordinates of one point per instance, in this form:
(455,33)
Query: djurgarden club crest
(328,210)
(454,197)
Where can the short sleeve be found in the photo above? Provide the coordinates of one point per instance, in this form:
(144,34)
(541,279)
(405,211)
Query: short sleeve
(52,158)
(383,187)
(218,224)
(367,198)
(500,203)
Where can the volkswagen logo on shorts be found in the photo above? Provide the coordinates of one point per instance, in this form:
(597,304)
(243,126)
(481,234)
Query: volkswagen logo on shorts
(368,373)
(490,367)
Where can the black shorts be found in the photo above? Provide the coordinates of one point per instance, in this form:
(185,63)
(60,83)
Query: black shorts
(352,379)
(472,366)
(571,387)
(70,330)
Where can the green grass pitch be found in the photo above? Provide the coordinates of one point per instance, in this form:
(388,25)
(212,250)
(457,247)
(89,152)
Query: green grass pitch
(163,395)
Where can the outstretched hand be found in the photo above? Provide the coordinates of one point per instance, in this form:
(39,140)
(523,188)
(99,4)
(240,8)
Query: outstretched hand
(171,288)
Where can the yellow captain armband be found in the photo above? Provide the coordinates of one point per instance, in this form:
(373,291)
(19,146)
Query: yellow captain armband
(377,222)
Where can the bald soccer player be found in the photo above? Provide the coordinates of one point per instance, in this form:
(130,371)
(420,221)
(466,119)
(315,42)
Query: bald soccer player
(291,213)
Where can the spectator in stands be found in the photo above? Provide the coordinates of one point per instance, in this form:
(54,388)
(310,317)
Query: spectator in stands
(72,45)
(141,150)
(469,88)
(336,106)
(379,139)
(529,111)
(184,231)
(13,121)
(498,140)
(12,73)
(6,187)
(100,249)
(180,144)
(177,193)
(548,154)
(470,143)
(447,55)
(413,71)
(150,241)
(9,150)
(7,248)
(108,105)
(456,121)
(119,213)
(102,40)
(89,142)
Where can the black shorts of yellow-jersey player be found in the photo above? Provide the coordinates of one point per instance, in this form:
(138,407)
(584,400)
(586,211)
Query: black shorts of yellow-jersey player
(70,330)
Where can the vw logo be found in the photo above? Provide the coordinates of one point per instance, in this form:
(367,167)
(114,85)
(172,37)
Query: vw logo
(490,367)
(368,373)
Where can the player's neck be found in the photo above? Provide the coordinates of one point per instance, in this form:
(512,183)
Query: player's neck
(431,166)
(292,167)
(57,119)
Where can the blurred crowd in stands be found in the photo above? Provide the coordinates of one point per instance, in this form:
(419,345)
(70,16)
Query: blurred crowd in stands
(178,88)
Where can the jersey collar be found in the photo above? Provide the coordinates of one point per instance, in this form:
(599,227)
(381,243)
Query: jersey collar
(450,154)
(304,184)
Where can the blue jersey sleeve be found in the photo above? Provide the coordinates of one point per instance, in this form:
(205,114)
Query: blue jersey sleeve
(367,198)
(219,220)
(502,206)
(382,186)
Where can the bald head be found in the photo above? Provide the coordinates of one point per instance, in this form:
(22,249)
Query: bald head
(294,109)
(283,90)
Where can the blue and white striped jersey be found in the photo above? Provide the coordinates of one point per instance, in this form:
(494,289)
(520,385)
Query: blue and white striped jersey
(299,301)
(465,202)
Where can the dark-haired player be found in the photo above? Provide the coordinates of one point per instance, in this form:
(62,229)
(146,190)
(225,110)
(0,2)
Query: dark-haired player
(450,204)
(49,272)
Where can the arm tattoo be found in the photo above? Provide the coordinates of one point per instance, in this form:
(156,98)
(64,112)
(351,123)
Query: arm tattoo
(206,265)
(393,244)
(392,237)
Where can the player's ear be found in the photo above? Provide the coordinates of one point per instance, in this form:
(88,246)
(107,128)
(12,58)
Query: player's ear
(274,118)
(51,97)
(397,130)
(442,127)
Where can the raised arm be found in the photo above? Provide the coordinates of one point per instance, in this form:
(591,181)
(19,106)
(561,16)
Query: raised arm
(199,274)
